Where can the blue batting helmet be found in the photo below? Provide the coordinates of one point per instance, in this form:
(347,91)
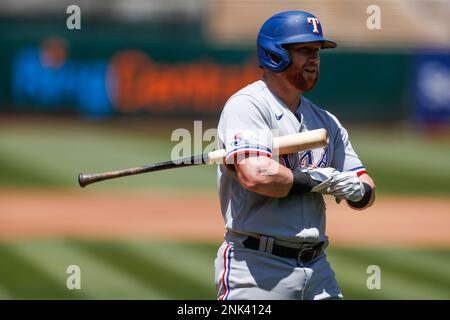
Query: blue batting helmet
(284,28)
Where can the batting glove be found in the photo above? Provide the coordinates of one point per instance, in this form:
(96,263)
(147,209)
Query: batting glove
(346,185)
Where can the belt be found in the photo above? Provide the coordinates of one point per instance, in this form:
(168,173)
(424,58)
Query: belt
(305,254)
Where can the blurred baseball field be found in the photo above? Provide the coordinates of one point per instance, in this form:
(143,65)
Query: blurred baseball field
(130,236)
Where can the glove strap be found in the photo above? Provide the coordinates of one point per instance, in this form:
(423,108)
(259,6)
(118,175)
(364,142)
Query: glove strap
(302,183)
(365,199)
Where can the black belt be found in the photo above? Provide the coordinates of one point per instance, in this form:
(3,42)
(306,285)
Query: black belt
(306,254)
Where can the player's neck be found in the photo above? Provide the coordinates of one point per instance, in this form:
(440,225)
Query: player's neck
(284,91)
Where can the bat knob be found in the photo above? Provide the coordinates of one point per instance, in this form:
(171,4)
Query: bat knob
(81,180)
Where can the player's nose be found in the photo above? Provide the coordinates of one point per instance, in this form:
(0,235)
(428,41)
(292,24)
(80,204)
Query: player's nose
(314,58)
(314,61)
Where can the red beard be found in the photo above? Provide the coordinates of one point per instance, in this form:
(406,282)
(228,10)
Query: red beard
(304,81)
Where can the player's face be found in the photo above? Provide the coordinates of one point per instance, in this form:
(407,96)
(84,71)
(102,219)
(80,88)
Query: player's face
(304,71)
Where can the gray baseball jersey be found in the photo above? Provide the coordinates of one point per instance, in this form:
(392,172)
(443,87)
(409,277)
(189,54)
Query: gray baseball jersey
(246,125)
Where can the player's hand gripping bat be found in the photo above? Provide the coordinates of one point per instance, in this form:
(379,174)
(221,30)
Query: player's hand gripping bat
(286,144)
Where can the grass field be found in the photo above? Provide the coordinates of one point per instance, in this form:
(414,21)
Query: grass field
(50,155)
(169,270)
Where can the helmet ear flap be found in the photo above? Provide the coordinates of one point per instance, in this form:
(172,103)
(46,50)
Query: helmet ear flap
(279,59)
(272,56)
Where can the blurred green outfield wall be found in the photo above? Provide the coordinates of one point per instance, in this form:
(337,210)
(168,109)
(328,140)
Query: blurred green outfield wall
(169,68)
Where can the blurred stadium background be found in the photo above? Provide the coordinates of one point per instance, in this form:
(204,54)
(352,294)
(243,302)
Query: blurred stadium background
(109,95)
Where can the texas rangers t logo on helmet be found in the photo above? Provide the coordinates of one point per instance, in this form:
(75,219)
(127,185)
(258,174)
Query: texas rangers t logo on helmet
(315,22)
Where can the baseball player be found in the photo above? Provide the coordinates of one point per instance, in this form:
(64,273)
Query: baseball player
(272,204)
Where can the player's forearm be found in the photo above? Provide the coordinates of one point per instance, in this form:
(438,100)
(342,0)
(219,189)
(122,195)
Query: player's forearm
(365,178)
(264,176)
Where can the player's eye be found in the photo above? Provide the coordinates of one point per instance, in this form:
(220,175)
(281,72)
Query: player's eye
(302,49)
(309,51)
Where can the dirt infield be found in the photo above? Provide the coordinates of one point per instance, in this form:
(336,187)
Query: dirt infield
(31,215)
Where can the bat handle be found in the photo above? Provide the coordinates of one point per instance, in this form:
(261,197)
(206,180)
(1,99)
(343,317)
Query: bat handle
(85,179)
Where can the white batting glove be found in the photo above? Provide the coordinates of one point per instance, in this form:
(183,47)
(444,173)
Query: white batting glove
(320,174)
(346,185)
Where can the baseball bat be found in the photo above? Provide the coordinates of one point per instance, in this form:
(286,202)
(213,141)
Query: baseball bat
(286,144)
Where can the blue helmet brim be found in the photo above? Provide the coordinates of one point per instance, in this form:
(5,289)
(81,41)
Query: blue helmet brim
(305,38)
